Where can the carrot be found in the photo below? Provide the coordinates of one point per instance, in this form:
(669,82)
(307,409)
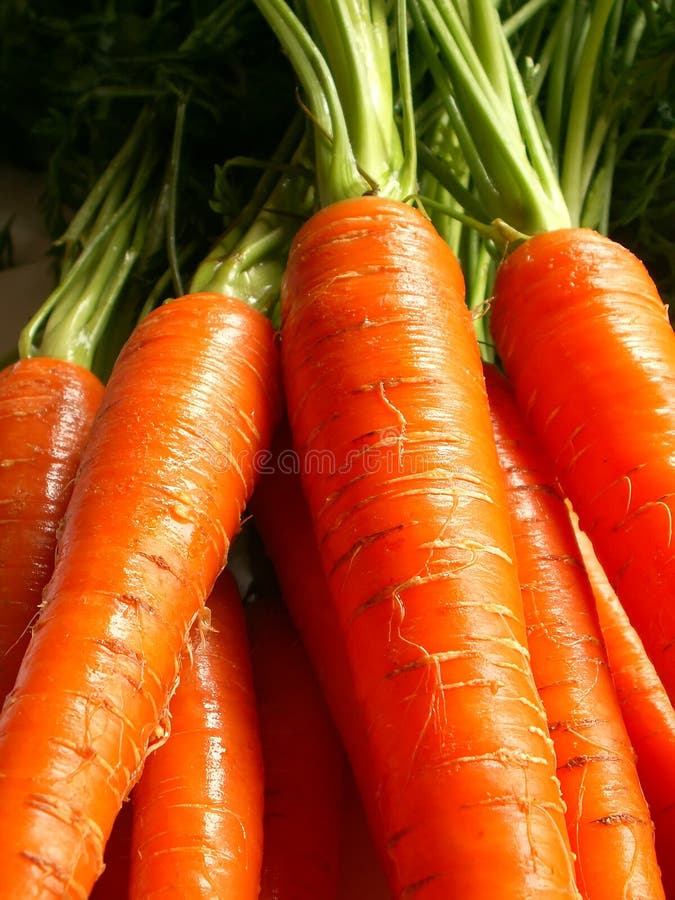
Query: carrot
(608,821)
(388,412)
(198,807)
(294,554)
(304,763)
(647,710)
(383,382)
(292,550)
(46,410)
(586,340)
(166,473)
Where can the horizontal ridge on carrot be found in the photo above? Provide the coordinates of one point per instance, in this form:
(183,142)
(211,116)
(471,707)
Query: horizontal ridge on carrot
(198,807)
(609,824)
(166,473)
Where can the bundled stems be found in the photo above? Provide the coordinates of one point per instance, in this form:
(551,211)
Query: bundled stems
(103,244)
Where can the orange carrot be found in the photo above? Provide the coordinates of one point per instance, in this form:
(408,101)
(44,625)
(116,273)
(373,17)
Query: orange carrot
(647,710)
(304,763)
(585,338)
(198,808)
(166,474)
(46,410)
(607,816)
(388,411)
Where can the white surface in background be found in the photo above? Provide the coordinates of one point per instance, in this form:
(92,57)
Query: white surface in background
(24,286)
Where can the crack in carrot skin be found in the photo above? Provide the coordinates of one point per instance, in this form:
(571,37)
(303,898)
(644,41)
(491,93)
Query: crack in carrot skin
(431,612)
(165,475)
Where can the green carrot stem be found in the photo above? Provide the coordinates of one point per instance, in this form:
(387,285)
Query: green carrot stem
(342,58)
(571,178)
(73,316)
(174,167)
(115,171)
(337,172)
(252,268)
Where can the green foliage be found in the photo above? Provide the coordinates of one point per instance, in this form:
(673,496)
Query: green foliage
(75,76)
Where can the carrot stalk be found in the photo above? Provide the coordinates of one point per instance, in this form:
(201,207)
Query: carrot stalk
(608,821)
(304,763)
(165,476)
(198,807)
(646,708)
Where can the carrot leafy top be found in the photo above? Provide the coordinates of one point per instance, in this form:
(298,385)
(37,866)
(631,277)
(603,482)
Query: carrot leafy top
(534,103)
(102,244)
(341,53)
(249,259)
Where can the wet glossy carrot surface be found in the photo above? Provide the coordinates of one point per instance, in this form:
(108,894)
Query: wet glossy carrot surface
(586,340)
(608,821)
(46,410)
(164,479)
(388,411)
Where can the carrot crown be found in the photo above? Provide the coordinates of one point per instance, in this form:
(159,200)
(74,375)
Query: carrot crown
(341,54)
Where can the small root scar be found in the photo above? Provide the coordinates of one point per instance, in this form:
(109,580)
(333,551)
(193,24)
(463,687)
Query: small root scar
(402,422)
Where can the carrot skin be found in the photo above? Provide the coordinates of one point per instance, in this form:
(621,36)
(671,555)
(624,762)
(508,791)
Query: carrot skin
(384,384)
(646,708)
(305,766)
(585,339)
(165,475)
(198,807)
(608,820)
(46,410)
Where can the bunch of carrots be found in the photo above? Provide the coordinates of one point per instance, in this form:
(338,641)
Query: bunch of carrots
(352,574)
